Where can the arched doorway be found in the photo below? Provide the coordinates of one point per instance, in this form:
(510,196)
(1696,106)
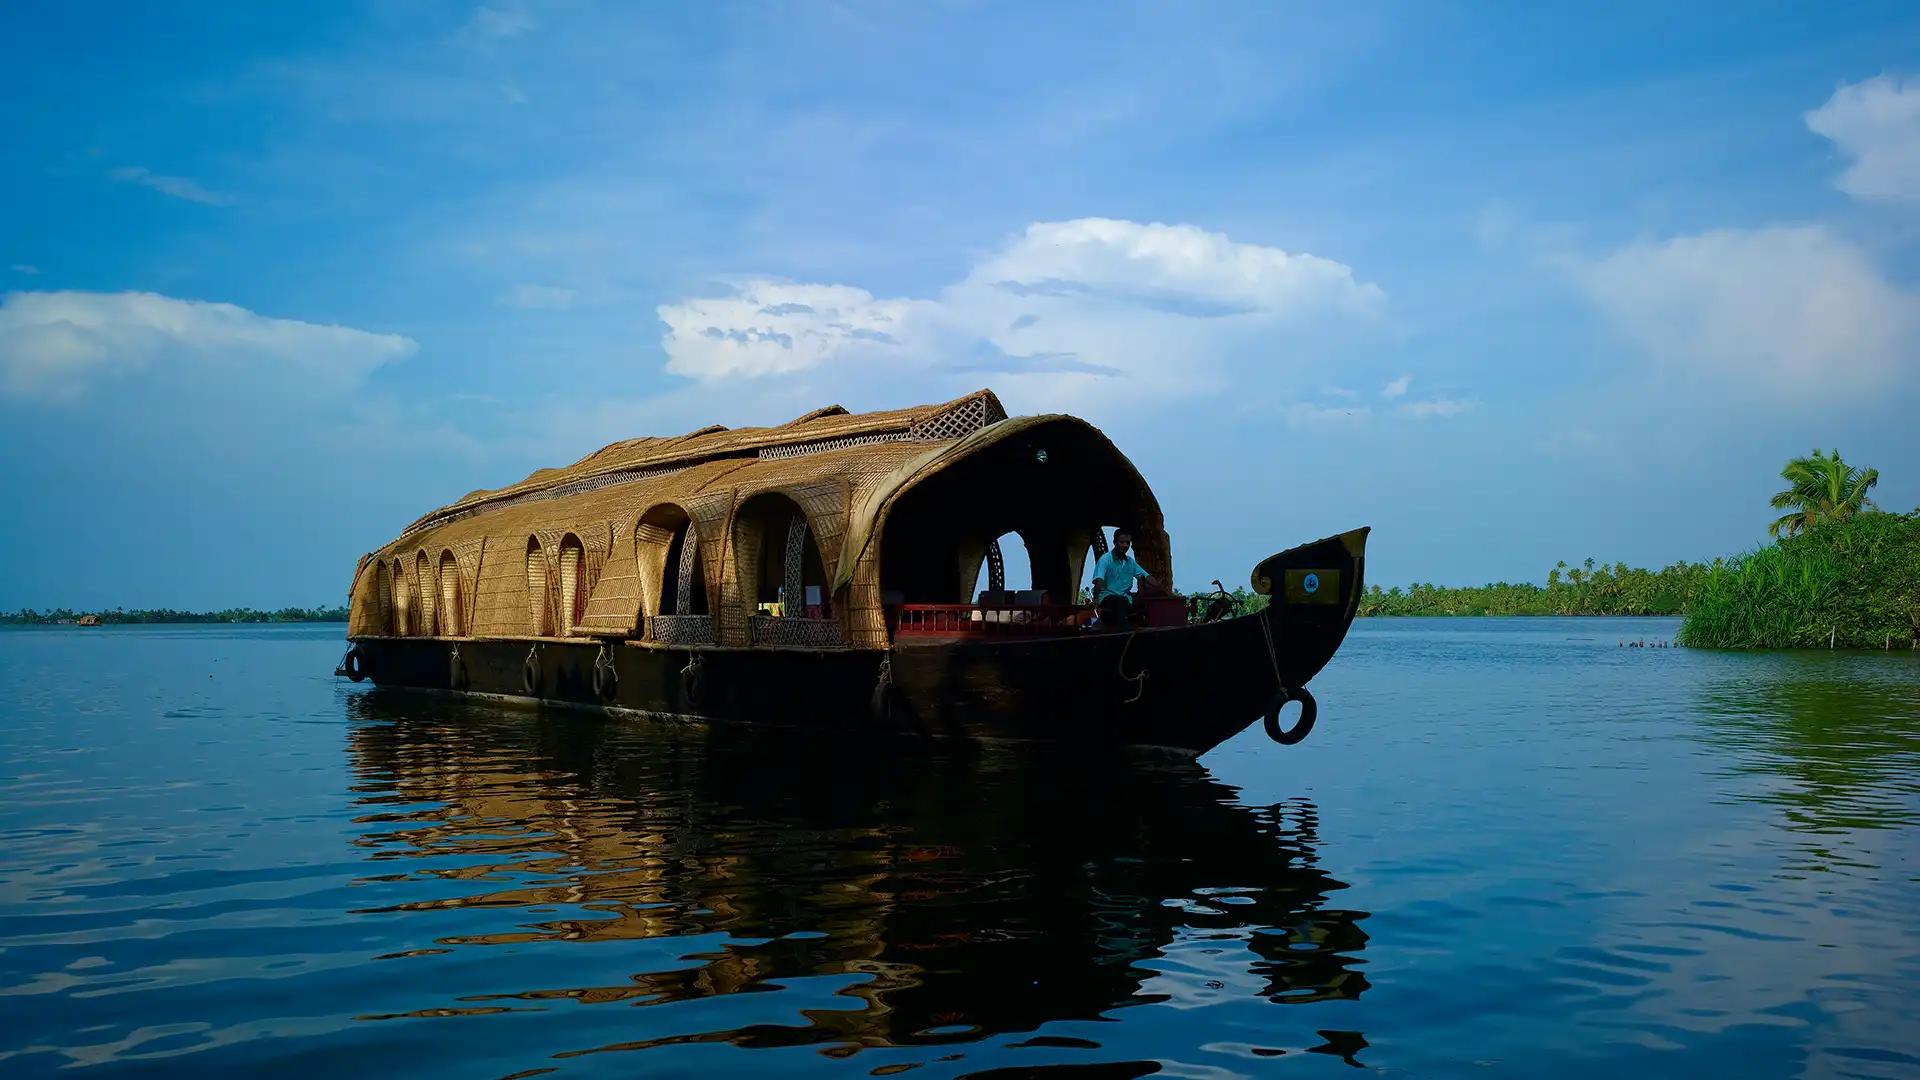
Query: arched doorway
(429,594)
(402,600)
(539,604)
(452,598)
(574,587)
(1048,484)
(781,575)
(671,563)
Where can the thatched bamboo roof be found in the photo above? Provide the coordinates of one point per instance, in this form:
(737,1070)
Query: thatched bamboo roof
(619,506)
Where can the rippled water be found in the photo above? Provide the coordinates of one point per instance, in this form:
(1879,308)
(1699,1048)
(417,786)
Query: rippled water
(1511,848)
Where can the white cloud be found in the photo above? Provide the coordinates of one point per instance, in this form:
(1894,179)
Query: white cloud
(1397,388)
(1065,309)
(1177,268)
(775,328)
(53,345)
(1785,311)
(178,187)
(1437,407)
(539,297)
(24,268)
(1877,124)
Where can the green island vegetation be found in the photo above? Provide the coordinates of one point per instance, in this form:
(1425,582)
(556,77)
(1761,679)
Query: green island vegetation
(1841,573)
(29,617)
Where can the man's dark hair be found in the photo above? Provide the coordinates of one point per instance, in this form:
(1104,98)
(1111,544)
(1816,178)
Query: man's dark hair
(1118,533)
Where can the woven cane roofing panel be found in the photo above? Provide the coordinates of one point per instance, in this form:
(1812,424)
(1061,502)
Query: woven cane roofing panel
(945,420)
(844,470)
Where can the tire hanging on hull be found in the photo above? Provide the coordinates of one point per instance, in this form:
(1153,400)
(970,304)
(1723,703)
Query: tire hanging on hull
(1309,710)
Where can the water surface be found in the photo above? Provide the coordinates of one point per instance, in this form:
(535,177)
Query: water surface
(1512,848)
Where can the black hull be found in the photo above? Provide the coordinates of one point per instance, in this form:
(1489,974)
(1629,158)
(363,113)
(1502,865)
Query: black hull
(1185,688)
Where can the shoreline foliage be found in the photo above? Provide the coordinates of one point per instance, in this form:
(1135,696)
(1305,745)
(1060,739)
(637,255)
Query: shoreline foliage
(121,616)
(1851,583)
(1587,589)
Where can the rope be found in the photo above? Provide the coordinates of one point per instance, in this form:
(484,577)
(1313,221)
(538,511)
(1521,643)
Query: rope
(603,658)
(1140,680)
(1273,656)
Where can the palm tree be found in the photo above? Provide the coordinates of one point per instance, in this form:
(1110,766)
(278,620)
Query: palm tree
(1821,488)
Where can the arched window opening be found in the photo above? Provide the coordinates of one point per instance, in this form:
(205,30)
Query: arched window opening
(671,563)
(1038,494)
(539,607)
(1004,567)
(452,599)
(573,584)
(402,600)
(782,574)
(429,595)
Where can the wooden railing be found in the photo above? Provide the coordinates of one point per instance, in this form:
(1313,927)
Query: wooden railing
(1025,620)
(955,620)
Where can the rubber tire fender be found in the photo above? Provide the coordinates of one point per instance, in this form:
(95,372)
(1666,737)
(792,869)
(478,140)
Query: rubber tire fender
(530,676)
(605,681)
(456,672)
(356,664)
(1309,710)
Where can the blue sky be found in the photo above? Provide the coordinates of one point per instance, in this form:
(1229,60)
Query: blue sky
(1509,283)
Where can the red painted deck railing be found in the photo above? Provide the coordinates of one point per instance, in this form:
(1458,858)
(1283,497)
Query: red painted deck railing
(953,620)
(1026,620)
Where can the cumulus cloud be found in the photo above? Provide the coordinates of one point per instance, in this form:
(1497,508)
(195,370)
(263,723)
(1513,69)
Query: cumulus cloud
(1877,124)
(1067,308)
(774,328)
(539,297)
(1397,388)
(178,187)
(54,345)
(1785,311)
(1181,269)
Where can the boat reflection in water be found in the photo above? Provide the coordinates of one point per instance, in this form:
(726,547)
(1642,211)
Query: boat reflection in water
(938,897)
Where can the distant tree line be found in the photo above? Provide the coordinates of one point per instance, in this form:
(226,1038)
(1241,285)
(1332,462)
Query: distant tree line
(29,616)
(1587,589)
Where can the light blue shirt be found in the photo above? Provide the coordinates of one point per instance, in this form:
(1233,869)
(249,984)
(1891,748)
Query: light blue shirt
(1113,577)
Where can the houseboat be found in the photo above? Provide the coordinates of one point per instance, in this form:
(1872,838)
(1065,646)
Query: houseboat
(823,573)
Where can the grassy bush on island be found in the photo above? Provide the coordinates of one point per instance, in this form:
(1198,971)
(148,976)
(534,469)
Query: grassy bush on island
(1842,574)
(1855,583)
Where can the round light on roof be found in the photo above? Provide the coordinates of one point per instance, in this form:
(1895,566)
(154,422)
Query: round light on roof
(1040,455)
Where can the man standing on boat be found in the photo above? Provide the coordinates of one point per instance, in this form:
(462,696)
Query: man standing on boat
(1113,576)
